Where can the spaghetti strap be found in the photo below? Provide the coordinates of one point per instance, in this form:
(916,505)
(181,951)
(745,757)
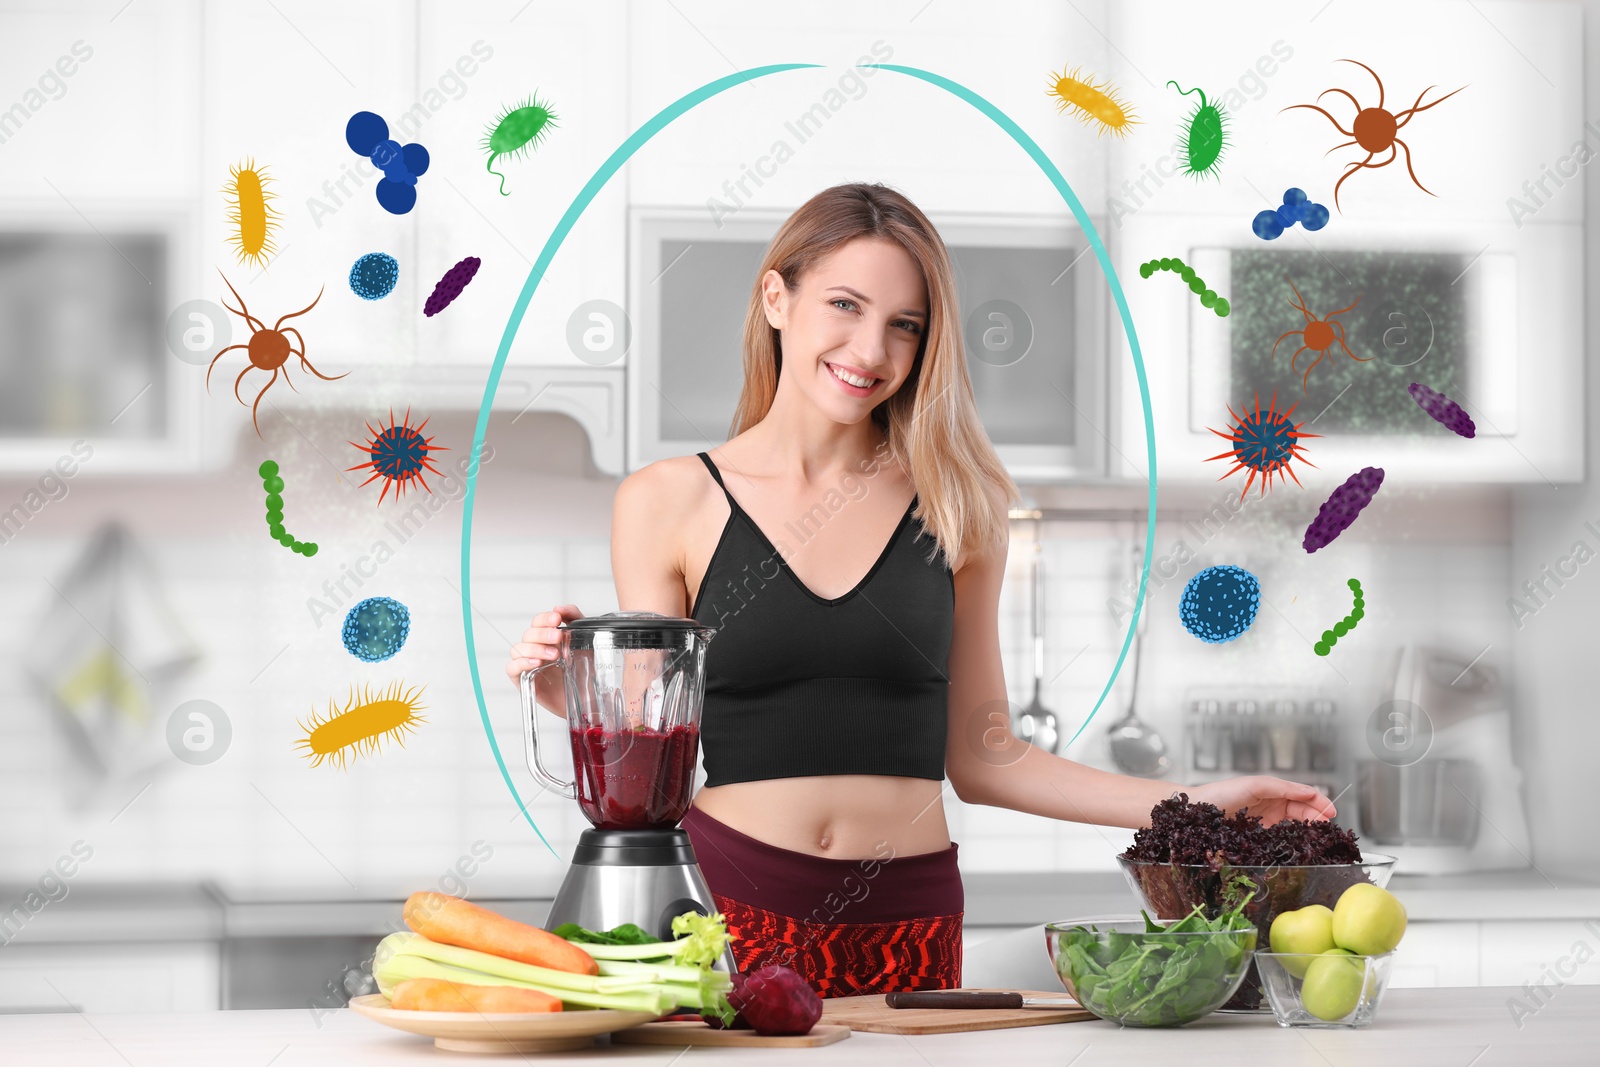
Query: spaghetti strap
(712,467)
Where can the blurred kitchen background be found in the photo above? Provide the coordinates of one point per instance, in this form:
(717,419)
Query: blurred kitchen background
(211,865)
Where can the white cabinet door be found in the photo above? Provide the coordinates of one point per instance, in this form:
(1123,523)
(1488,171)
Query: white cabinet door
(474,67)
(1544,952)
(282,81)
(1437,954)
(176,976)
(1520,104)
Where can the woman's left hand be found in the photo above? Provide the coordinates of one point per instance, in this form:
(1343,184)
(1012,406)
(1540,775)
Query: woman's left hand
(1271,798)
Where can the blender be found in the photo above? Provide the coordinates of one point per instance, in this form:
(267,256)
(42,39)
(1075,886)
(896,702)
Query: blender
(635,681)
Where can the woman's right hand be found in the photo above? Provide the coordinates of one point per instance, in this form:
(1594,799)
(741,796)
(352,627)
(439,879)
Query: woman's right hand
(540,644)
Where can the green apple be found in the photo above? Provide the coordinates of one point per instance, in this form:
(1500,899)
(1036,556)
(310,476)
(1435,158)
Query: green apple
(1308,930)
(1333,984)
(1367,920)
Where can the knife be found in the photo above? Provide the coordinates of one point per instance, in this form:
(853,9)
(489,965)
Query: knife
(973,998)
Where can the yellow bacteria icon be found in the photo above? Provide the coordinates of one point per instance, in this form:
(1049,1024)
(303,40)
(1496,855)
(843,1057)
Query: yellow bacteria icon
(1092,103)
(252,220)
(362,725)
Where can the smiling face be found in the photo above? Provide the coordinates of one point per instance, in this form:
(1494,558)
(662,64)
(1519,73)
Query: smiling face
(852,329)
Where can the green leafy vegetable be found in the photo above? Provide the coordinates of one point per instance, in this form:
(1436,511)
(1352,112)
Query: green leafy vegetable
(626,934)
(1166,975)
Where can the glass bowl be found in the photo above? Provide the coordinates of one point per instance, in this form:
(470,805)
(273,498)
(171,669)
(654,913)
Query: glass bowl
(1171,890)
(1331,985)
(1186,976)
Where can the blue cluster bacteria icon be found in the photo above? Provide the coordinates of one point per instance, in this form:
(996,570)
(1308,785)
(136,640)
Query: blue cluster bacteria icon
(376,629)
(1269,225)
(368,135)
(1220,603)
(373,276)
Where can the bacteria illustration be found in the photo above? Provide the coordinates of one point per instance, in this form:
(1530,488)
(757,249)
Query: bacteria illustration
(399,454)
(1203,136)
(273,484)
(1265,442)
(252,220)
(1344,625)
(368,135)
(1208,298)
(373,276)
(1269,225)
(1318,336)
(376,629)
(267,349)
(362,725)
(1220,603)
(516,132)
(1341,508)
(449,287)
(1094,104)
(1374,129)
(1443,410)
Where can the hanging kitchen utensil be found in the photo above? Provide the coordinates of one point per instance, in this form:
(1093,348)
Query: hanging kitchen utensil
(106,653)
(1036,724)
(1136,748)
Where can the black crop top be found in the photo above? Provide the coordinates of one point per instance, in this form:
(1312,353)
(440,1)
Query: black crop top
(797,685)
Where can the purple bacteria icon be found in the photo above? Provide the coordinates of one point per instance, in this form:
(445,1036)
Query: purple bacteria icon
(1443,410)
(455,279)
(1342,507)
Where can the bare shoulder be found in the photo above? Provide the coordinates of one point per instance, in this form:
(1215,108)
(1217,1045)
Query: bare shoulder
(664,492)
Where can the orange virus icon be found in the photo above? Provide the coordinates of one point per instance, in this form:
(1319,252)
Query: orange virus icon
(266,349)
(252,220)
(1265,442)
(362,725)
(1374,129)
(1319,335)
(1093,104)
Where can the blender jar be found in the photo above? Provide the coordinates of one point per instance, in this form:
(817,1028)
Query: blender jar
(635,682)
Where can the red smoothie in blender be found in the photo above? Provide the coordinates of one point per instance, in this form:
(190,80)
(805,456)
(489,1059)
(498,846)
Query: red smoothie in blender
(635,779)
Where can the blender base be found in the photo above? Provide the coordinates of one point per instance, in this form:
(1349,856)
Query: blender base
(645,877)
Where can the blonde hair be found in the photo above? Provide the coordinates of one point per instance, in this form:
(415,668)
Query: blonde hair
(932,421)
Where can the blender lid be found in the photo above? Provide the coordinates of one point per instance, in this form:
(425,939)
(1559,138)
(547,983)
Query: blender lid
(633,621)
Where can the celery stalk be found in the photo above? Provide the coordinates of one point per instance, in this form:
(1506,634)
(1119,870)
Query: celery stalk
(398,967)
(408,944)
(663,972)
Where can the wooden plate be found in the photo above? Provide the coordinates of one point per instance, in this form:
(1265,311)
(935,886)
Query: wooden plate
(463,1031)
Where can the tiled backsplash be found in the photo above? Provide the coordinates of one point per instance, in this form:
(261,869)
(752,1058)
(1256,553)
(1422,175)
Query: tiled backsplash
(262,822)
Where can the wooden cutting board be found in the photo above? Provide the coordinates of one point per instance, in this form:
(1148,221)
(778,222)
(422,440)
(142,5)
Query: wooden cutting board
(695,1032)
(873,1015)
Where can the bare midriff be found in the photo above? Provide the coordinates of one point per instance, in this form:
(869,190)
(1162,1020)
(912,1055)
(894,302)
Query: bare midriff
(843,816)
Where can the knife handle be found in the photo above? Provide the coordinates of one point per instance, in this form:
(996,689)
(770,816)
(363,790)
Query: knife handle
(953,998)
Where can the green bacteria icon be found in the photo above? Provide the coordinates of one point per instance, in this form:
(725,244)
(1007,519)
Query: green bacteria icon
(517,131)
(1344,625)
(274,487)
(1196,284)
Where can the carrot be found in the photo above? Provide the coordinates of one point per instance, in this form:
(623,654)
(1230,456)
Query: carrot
(453,921)
(436,994)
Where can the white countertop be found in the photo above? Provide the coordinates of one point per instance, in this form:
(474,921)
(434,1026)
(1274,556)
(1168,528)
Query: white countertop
(1415,1028)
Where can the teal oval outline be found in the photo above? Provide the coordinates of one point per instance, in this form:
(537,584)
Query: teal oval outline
(586,195)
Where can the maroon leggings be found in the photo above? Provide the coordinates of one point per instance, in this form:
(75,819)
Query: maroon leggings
(849,927)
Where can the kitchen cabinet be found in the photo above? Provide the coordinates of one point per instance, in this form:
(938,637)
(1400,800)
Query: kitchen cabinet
(1520,105)
(110,978)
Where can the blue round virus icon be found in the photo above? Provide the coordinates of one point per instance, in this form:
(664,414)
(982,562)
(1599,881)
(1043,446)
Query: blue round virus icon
(1220,603)
(374,275)
(376,628)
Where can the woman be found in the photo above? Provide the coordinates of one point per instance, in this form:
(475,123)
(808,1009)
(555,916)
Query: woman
(849,543)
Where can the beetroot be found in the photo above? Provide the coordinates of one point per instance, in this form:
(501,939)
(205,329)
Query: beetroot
(775,1001)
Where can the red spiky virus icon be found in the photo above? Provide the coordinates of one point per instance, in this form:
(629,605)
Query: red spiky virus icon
(399,455)
(1264,442)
